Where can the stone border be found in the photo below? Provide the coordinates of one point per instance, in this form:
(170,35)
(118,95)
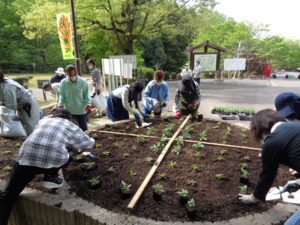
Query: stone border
(64,208)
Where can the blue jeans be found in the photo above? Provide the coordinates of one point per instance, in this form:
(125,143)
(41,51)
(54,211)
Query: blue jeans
(294,219)
(82,121)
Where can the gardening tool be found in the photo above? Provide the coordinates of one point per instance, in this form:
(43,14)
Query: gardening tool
(88,154)
(289,188)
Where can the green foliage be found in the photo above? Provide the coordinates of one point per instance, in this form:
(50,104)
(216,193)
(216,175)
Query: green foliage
(126,154)
(111,170)
(18,145)
(195,167)
(220,176)
(7,168)
(150,130)
(80,156)
(243,165)
(110,138)
(244,189)
(172,164)
(197,154)
(131,173)
(183,193)
(149,159)
(7,152)
(106,153)
(223,151)
(94,181)
(158,189)
(141,139)
(179,141)
(198,145)
(89,165)
(192,182)
(219,158)
(191,203)
(98,145)
(176,149)
(162,176)
(115,145)
(126,188)
(246,158)
(155,149)
(245,173)
(163,141)
(203,136)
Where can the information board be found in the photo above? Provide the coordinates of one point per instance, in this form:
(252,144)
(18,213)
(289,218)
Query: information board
(234,64)
(207,61)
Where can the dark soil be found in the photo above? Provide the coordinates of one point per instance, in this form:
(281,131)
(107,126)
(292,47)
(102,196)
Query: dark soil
(216,199)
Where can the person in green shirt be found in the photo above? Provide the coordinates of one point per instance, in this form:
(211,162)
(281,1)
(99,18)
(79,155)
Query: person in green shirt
(75,97)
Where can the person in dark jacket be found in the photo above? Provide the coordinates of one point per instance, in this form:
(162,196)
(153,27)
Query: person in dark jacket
(288,105)
(281,146)
(187,97)
(58,76)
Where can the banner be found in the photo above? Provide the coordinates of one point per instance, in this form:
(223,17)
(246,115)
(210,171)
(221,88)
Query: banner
(65,35)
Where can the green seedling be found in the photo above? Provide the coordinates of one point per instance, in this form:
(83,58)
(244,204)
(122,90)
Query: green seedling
(79,157)
(98,145)
(197,154)
(132,173)
(162,176)
(110,138)
(244,188)
(149,159)
(219,158)
(134,148)
(243,165)
(18,145)
(176,149)
(191,182)
(158,189)
(155,149)
(245,142)
(111,170)
(106,153)
(95,135)
(246,159)
(7,168)
(183,193)
(141,139)
(195,167)
(126,188)
(165,133)
(150,130)
(8,152)
(191,203)
(126,154)
(220,176)
(219,123)
(244,135)
(198,145)
(203,136)
(223,151)
(163,141)
(172,164)
(179,141)
(94,181)
(245,173)
(89,165)
(115,145)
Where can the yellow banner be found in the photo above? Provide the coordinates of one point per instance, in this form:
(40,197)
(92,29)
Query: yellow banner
(65,35)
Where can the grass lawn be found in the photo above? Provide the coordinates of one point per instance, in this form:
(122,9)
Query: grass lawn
(36,77)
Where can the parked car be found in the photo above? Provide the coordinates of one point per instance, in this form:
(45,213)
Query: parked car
(286,74)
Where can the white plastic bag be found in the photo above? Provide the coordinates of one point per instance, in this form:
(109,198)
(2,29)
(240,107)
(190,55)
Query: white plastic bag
(8,126)
(100,103)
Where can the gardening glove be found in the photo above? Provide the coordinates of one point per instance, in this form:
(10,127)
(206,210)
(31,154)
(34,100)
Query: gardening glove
(292,185)
(88,109)
(247,199)
(178,113)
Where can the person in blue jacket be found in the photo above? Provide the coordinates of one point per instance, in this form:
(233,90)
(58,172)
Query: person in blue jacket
(156,94)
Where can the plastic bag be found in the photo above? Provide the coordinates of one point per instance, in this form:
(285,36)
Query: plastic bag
(100,103)
(8,126)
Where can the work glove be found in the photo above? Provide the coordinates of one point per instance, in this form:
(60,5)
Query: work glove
(88,109)
(178,113)
(292,185)
(247,199)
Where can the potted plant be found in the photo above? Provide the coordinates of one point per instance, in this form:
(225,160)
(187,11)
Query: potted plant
(158,190)
(95,182)
(125,190)
(244,178)
(191,208)
(183,196)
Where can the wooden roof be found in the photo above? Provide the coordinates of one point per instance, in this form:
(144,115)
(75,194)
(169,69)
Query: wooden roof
(209,45)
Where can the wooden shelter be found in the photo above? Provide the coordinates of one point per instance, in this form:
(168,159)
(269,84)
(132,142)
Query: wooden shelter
(205,45)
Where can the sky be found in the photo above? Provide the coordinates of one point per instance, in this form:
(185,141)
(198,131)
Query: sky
(282,15)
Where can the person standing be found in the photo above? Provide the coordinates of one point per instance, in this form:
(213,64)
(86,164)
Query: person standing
(74,96)
(187,97)
(281,146)
(119,102)
(59,75)
(186,71)
(95,74)
(54,90)
(197,71)
(15,97)
(43,152)
(156,94)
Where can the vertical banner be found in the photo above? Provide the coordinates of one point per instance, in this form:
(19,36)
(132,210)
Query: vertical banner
(65,35)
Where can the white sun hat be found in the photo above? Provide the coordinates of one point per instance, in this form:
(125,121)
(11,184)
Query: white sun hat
(60,70)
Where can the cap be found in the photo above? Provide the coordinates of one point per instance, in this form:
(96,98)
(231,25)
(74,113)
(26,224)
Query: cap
(284,103)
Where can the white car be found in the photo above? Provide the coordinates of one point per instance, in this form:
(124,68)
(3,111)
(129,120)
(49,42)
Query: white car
(286,75)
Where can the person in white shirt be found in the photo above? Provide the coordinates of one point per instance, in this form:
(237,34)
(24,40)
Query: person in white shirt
(53,89)
(197,71)
(186,71)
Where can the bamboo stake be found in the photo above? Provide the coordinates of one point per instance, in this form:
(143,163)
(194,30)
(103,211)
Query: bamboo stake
(188,141)
(146,181)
